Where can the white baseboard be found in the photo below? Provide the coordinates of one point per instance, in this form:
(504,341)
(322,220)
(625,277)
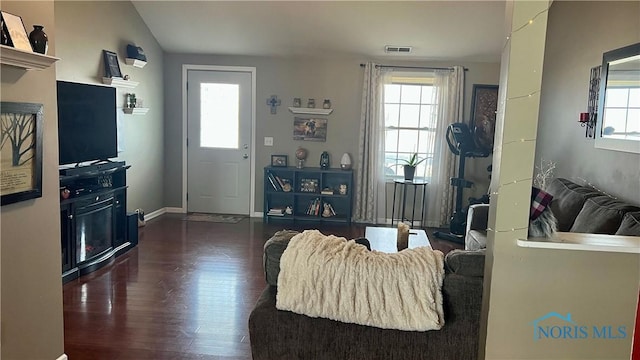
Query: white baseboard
(62,357)
(177,210)
(154,214)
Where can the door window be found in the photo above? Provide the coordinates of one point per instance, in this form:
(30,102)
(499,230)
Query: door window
(219,115)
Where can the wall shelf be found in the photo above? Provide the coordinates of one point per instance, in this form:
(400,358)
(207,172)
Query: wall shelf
(135,62)
(135,111)
(119,82)
(25,59)
(585,242)
(310,111)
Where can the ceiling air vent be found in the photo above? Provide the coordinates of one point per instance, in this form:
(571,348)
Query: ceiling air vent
(397,49)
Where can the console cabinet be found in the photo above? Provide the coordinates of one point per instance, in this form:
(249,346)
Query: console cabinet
(307,194)
(93,218)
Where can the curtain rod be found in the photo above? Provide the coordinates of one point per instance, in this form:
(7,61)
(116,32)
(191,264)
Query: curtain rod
(414,67)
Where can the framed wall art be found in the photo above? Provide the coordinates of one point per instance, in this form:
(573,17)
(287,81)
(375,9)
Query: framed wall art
(309,129)
(20,152)
(111,64)
(484,105)
(279,160)
(16,34)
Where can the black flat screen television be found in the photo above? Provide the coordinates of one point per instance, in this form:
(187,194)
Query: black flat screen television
(87,128)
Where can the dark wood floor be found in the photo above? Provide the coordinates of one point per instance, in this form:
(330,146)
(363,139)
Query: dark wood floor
(185,292)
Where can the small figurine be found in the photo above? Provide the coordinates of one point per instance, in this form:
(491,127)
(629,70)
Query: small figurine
(327,210)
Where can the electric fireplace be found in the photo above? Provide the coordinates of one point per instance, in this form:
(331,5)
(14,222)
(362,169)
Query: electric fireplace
(94,225)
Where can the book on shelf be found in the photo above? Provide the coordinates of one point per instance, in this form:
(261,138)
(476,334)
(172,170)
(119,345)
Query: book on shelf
(327,191)
(279,181)
(274,182)
(276,212)
(314,207)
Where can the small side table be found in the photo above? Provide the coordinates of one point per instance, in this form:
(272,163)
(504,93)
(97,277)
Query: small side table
(404,184)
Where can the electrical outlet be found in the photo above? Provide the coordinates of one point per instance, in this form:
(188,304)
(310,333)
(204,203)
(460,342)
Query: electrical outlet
(268,141)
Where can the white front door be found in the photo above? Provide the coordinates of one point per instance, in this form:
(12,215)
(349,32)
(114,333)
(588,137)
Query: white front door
(219,112)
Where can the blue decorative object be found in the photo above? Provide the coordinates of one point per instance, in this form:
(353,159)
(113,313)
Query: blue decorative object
(274,102)
(136,52)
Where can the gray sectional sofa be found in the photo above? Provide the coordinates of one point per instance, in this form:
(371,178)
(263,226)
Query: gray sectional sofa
(578,209)
(277,334)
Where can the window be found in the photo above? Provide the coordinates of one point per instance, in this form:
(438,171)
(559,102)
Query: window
(622,112)
(219,115)
(410,118)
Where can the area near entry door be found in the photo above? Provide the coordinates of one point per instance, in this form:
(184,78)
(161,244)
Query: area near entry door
(219,108)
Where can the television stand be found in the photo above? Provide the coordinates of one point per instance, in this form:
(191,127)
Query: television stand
(93,217)
(92,168)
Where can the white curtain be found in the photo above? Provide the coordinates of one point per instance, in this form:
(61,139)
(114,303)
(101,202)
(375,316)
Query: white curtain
(370,196)
(449,95)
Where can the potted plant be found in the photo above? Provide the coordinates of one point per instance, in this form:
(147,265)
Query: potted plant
(410,166)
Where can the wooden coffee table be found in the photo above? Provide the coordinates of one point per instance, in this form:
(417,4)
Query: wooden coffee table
(386,239)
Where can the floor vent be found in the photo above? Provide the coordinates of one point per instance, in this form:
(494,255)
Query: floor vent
(397,49)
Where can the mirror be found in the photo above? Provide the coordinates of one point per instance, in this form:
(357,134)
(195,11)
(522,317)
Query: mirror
(618,117)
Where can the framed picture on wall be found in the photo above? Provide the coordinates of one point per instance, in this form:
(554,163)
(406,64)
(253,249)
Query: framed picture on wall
(310,129)
(484,105)
(20,152)
(111,64)
(13,29)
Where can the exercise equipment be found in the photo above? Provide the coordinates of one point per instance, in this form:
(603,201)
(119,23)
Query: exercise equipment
(460,140)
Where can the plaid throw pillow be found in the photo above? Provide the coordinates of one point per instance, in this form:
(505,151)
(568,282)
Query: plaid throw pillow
(539,202)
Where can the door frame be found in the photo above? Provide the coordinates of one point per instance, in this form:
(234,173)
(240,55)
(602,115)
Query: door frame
(247,69)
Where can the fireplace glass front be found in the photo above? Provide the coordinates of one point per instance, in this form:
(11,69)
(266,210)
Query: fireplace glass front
(94,229)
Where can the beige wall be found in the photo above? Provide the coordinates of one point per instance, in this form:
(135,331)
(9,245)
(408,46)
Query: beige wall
(569,57)
(84,29)
(523,284)
(31,289)
(337,79)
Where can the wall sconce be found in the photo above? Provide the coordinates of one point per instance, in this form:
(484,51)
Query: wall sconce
(588,119)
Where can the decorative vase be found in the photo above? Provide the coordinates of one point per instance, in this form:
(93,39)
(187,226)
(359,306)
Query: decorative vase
(345,162)
(409,172)
(38,39)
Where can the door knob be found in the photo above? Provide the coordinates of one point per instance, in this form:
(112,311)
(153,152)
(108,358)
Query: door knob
(245,146)
(245,156)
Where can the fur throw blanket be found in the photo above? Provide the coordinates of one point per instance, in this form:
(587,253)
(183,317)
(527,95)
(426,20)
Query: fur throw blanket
(330,277)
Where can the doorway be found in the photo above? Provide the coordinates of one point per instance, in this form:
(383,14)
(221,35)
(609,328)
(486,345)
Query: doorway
(219,123)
